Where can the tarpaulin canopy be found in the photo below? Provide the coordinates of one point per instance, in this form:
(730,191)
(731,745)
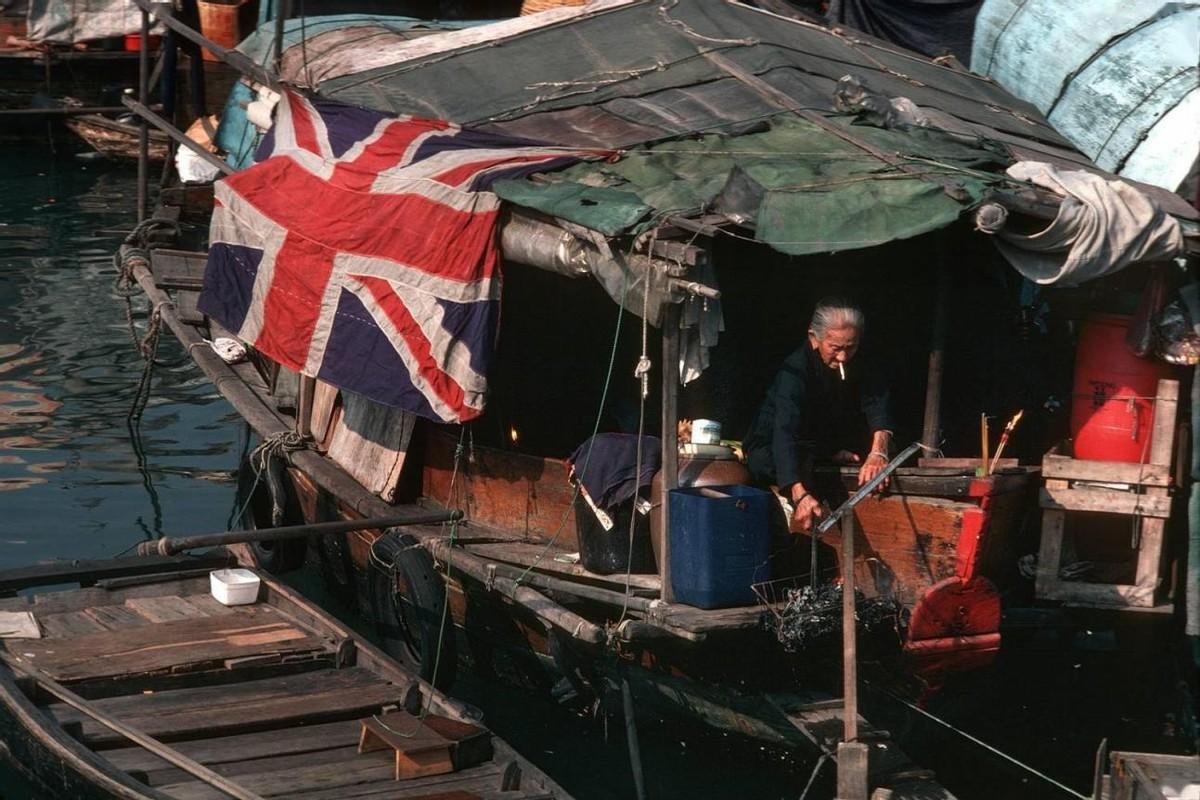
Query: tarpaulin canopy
(802,189)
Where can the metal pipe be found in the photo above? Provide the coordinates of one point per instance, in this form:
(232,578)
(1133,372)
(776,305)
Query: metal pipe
(143,172)
(62,111)
(169,546)
(176,134)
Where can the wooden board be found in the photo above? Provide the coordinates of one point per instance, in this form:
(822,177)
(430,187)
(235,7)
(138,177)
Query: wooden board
(178,269)
(191,643)
(1112,502)
(370,441)
(1054,466)
(519,495)
(267,704)
(524,554)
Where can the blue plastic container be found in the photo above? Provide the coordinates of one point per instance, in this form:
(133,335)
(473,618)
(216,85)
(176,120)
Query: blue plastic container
(720,543)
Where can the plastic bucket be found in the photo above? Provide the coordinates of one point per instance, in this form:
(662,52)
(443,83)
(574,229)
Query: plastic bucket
(720,543)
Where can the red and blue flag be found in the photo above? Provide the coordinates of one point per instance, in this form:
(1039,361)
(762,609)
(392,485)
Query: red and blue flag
(362,249)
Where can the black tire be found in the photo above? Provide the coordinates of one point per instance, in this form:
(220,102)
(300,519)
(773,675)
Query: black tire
(409,604)
(274,557)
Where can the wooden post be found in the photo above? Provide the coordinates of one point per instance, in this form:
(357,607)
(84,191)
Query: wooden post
(143,171)
(931,430)
(852,755)
(849,633)
(670,439)
(304,406)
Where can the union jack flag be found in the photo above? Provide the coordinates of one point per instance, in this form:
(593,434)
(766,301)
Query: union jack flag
(362,250)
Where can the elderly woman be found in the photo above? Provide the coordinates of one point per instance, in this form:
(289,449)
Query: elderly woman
(824,405)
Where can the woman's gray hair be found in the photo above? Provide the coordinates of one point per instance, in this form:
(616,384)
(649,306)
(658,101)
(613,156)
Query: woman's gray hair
(832,313)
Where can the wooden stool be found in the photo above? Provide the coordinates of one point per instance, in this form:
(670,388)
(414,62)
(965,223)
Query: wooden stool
(430,746)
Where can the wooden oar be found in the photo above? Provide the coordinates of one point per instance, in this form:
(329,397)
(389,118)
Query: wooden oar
(156,747)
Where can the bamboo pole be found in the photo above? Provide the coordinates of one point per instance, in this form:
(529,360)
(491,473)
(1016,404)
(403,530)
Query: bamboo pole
(670,439)
(172,545)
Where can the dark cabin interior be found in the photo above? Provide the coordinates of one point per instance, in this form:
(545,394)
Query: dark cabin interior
(1006,349)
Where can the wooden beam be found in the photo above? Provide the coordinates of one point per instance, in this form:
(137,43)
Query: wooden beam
(170,130)
(1107,501)
(88,572)
(849,639)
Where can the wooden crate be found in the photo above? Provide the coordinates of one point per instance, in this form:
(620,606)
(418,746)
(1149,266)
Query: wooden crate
(1147,501)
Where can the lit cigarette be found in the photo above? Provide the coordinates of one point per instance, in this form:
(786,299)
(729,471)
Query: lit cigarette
(842,370)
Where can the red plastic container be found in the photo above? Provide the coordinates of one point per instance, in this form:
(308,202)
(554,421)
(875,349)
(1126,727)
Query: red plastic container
(133,42)
(1113,410)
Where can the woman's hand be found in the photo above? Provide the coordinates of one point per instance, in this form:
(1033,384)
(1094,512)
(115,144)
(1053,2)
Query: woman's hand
(873,465)
(807,511)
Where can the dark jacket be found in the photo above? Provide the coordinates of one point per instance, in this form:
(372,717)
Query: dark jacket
(810,413)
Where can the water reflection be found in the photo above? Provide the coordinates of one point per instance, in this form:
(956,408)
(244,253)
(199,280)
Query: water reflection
(76,480)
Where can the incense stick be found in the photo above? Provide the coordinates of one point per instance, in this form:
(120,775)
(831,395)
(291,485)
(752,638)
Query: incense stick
(983,435)
(842,370)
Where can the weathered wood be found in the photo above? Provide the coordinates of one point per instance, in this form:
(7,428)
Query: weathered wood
(325,400)
(246,746)
(131,732)
(525,554)
(80,599)
(1162,435)
(181,644)
(178,269)
(19,625)
(849,642)
(852,770)
(324,696)
(330,757)
(429,745)
(513,493)
(164,609)
(83,571)
(1111,502)
(370,441)
(69,624)
(1054,466)
(115,618)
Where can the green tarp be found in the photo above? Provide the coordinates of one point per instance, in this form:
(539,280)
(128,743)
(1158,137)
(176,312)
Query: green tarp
(801,188)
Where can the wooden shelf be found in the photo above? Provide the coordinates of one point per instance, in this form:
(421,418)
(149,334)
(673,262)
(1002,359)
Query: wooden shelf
(1076,485)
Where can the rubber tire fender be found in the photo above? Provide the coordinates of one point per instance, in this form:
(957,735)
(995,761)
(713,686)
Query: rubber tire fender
(409,605)
(275,557)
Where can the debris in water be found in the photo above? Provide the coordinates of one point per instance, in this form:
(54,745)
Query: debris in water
(811,615)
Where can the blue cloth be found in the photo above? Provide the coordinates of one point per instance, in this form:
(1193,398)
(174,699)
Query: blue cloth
(606,466)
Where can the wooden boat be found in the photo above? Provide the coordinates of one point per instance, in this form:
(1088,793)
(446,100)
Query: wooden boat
(938,527)
(142,685)
(115,139)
